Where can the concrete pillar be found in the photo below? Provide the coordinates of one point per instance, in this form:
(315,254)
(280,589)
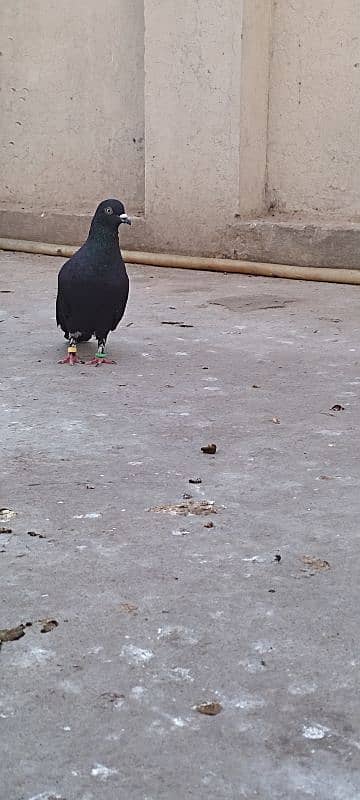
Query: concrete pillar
(206,89)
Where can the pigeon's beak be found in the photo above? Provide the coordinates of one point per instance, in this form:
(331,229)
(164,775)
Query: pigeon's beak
(125,218)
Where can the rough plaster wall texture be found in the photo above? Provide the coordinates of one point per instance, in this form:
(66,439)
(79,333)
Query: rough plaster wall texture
(254,98)
(314,123)
(192,113)
(72,101)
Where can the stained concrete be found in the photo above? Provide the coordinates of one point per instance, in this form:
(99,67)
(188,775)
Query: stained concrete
(157,613)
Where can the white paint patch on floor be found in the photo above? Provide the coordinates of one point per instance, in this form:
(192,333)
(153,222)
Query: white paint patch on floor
(179,675)
(315,731)
(301,689)
(136,655)
(326,432)
(248,703)
(137,692)
(263,646)
(176,633)
(89,515)
(252,666)
(36,657)
(102,772)
(49,795)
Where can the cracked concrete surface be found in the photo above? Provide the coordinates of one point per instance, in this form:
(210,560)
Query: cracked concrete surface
(156,612)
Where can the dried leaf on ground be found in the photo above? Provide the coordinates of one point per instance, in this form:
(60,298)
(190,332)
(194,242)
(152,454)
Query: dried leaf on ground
(12,634)
(315,563)
(48,625)
(326,478)
(128,607)
(210,709)
(191,507)
(209,448)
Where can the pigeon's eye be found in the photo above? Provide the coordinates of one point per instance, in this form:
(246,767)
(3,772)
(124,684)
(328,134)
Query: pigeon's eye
(108,210)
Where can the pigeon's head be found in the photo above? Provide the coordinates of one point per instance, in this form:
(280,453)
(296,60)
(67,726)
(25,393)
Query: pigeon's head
(111,214)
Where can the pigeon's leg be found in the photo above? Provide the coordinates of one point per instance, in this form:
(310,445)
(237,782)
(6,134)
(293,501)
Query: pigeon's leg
(100,356)
(71,357)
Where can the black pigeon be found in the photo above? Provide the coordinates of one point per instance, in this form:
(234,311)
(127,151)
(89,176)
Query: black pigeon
(93,286)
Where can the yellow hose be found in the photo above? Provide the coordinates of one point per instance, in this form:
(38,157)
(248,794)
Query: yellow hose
(327,274)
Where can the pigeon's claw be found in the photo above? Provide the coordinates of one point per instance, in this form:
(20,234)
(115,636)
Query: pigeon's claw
(72,357)
(98,360)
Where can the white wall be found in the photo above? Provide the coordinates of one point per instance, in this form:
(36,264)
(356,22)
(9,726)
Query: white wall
(72,101)
(314,124)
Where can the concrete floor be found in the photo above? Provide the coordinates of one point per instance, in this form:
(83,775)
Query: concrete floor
(157,613)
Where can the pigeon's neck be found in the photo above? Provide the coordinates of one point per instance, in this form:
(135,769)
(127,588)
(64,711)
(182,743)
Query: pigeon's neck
(105,238)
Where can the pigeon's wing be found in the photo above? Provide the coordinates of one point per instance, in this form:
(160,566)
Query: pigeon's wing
(69,303)
(63,310)
(120,303)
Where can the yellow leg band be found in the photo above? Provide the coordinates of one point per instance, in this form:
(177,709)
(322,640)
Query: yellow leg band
(72,348)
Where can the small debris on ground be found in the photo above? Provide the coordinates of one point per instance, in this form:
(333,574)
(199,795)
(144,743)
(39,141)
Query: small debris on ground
(112,697)
(209,524)
(130,608)
(277,557)
(209,448)
(326,478)
(275,420)
(210,709)
(187,496)
(337,407)
(12,634)
(255,386)
(5,530)
(317,564)
(48,625)
(38,535)
(179,324)
(272,591)
(195,480)
(191,507)
(6,514)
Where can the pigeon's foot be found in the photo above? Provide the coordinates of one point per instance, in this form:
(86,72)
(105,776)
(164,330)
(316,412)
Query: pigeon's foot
(71,359)
(98,360)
